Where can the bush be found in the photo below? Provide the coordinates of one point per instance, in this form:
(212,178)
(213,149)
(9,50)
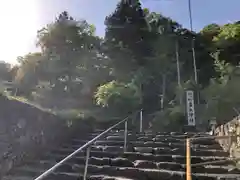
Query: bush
(118,97)
(171,119)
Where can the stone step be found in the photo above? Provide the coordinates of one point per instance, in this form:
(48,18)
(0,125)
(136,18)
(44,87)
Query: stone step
(130,173)
(159,135)
(130,145)
(102,177)
(151,156)
(17,177)
(133,156)
(213,169)
(124,162)
(205,141)
(145,138)
(133,138)
(156,151)
(114,162)
(152,144)
(52,176)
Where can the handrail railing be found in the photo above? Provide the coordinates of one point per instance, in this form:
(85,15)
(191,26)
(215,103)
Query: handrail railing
(188,152)
(88,146)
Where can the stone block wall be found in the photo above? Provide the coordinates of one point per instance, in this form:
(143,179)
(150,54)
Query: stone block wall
(232,145)
(26,132)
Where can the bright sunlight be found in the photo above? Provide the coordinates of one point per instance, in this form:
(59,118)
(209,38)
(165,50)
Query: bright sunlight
(19,23)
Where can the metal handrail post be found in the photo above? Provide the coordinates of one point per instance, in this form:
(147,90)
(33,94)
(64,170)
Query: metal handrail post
(141,121)
(125,136)
(86,163)
(188,160)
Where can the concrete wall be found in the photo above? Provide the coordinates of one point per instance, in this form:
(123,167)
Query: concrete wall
(231,145)
(26,132)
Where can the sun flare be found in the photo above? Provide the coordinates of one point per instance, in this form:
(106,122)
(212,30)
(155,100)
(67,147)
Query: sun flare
(19,20)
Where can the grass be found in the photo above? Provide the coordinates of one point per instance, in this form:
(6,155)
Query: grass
(69,114)
(64,114)
(26,101)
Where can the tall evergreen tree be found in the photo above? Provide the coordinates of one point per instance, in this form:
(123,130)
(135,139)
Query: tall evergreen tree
(127,31)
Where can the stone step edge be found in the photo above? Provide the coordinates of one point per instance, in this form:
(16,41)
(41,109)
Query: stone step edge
(181,173)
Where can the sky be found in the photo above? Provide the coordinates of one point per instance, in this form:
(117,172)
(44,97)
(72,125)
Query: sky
(20,19)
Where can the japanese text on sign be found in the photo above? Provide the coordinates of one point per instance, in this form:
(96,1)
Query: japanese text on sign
(190,108)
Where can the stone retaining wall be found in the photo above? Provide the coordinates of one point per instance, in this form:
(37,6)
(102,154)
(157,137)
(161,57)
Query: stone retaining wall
(232,145)
(26,132)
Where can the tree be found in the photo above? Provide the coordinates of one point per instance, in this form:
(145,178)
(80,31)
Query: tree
(118,97)
(28,73)
(222,95)
(161,66)
(5,71)
(127,37)
(227,41)
(210,31)
(69,45)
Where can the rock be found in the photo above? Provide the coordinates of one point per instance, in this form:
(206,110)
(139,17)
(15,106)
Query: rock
(178,151)
(121,162)
(144,138)
(145,164)
(115,138)
(163,175)
(68,168)
(170,166)
(234,150)
(96,177)
(144,149)
(199,169)
(99,161)
(113,149)
(161,150)
(132,173)
(234,171)
(97,148)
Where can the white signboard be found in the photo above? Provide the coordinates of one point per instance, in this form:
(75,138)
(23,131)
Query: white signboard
(190,108)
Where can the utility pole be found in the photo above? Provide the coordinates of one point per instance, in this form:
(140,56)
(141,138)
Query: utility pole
(193,49)
(193,45)
(164,76)
(141,112)
(178,71)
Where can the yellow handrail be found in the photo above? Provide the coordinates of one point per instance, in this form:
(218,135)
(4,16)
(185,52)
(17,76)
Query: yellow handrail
(188,160)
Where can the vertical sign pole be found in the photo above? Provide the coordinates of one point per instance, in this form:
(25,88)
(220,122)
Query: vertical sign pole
(86,163)
(125,136)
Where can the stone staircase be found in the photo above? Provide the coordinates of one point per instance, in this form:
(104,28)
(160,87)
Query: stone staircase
(149,156)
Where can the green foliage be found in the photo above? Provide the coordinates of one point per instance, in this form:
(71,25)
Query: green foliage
(229,32)
(71,114)
(118,96)
(222,95)
(70,47)
(171,119)
(28,73)
(127,37)
(5,71)
(210,31)
(225,39)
